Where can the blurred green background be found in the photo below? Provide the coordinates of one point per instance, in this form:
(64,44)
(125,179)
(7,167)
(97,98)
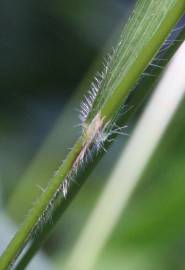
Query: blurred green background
(46,49)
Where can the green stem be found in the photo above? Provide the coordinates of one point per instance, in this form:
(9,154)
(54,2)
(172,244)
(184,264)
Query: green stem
(134,101)
(120,86)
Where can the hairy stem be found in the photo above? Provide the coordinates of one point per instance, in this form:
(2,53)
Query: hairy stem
(147,29)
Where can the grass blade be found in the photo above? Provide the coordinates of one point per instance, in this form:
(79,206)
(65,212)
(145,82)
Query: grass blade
(139,42)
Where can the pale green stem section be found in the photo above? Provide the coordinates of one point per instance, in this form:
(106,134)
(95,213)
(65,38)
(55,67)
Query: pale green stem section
(130,167)
(138,54)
